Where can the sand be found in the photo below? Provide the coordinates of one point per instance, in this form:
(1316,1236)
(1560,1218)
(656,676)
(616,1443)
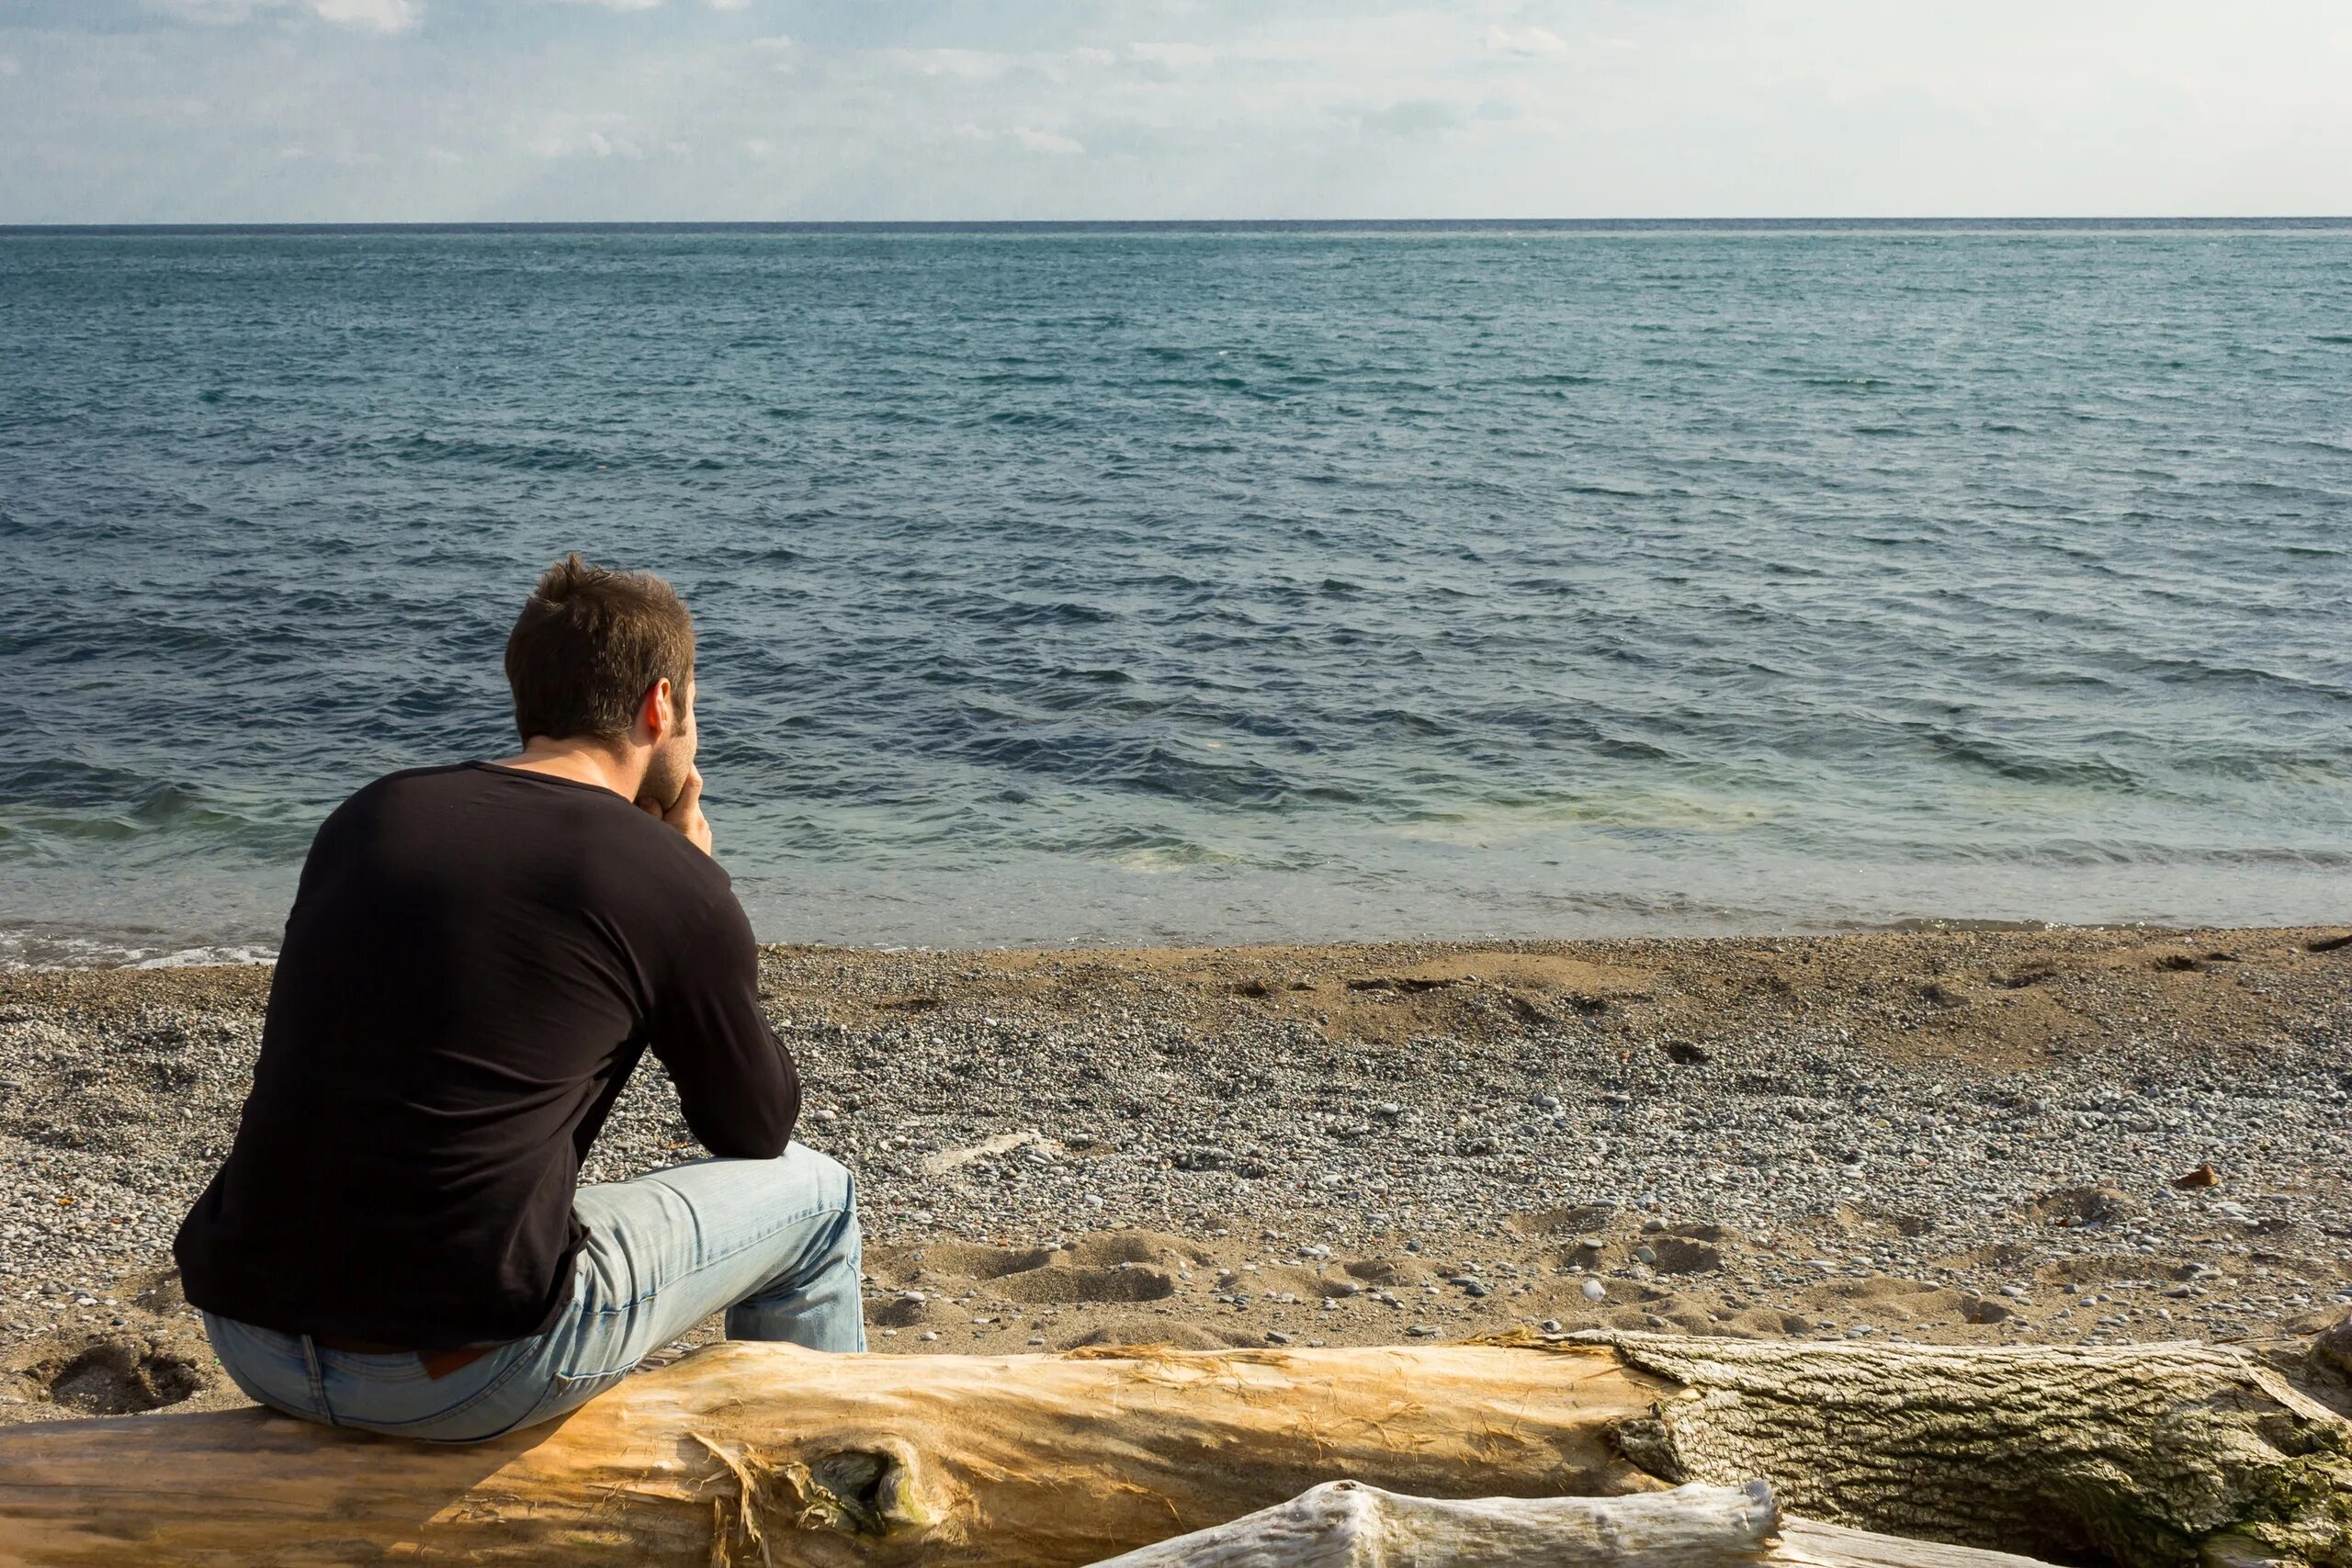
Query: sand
(2070,1135)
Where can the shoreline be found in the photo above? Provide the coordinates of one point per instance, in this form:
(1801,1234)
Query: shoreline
(1953,1136)
(77,949)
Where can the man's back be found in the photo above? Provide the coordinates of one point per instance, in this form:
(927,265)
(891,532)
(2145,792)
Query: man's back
(476,958)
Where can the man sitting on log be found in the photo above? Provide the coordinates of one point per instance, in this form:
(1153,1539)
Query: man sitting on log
(476,957)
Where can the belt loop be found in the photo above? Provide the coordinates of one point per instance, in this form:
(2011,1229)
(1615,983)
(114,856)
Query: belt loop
(318,1380)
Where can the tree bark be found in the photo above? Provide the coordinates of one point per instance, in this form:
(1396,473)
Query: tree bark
(2153,1456)
(767,1454)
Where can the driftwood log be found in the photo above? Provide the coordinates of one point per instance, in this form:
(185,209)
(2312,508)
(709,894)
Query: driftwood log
(1345,1523)
(2147,1456)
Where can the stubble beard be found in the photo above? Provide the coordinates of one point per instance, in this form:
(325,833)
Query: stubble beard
(665,775)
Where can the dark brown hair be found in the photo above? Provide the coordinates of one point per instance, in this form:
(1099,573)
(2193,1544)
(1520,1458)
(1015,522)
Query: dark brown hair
(590,644)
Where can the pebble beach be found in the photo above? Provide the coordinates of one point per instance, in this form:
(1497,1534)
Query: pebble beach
(2065,1135)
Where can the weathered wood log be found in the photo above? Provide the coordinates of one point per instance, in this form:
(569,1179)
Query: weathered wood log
(2145,1455)
(767,1454)
(1345,1523)
(746,1453)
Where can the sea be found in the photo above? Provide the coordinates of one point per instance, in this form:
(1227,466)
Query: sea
(1104,584)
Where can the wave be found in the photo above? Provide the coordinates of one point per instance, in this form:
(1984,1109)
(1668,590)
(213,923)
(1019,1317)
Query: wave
(1340,542)
(31,948)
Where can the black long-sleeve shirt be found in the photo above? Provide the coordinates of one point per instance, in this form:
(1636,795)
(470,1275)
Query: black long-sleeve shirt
(476,959)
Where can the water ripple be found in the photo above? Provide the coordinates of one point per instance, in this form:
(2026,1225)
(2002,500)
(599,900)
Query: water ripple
(1098,585)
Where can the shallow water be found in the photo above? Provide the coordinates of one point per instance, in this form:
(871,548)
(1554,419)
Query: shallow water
(1148,584)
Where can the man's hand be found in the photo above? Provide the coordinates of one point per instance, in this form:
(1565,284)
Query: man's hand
(684,814)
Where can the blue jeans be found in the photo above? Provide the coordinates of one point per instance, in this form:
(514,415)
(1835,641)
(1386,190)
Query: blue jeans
(773,1241)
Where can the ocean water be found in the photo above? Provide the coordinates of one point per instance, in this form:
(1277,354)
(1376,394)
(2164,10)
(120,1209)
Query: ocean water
(1194,582)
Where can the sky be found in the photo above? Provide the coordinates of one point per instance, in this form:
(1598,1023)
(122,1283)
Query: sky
(138,111)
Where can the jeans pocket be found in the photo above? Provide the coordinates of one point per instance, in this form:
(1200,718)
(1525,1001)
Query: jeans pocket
(568,1391)
(419,1408)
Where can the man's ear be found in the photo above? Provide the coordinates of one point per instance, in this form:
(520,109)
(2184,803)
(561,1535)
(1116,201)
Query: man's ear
(657,713)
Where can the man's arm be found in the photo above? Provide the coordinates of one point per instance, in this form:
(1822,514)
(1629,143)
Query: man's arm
(736,1081)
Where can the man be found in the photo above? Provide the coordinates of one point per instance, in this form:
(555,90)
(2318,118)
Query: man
(477,956)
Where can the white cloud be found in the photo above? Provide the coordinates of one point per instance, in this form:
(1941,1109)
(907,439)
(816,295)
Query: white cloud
(587,136)
(377,16)
(210,13)
(1175,56)
(8,67)
(1026,136)
(966,64)
(729,5)
(380,15)
(1540,42)
(1046,141)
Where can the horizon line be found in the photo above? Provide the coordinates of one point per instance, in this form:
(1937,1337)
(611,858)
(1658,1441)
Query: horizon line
(486,224)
